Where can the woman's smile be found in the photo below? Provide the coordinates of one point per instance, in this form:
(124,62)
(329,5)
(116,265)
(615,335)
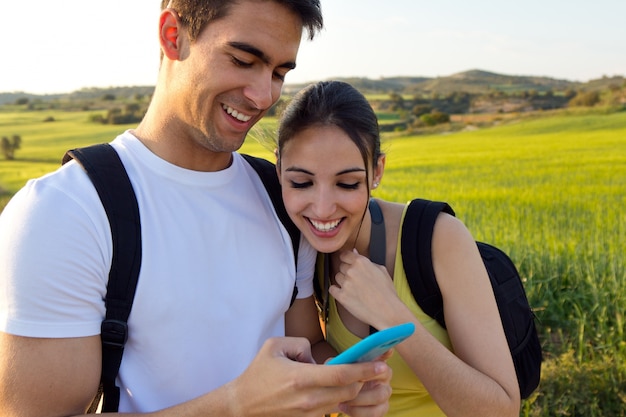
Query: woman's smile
(325,227)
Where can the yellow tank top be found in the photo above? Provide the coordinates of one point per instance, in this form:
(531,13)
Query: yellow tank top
(409,397)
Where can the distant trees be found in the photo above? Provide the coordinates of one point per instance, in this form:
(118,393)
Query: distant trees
(131,113)
(277,109)
(397,101)
(10,146)
(585,99)
(434,118)
(420,109)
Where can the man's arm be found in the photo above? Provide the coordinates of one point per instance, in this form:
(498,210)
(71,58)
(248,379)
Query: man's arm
(41,376)
(59,377)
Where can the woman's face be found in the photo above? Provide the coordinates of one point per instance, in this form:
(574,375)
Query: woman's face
(324,186)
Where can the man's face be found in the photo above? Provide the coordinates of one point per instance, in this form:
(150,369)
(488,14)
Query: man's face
(233,73)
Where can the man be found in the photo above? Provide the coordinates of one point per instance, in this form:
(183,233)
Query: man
(217,269)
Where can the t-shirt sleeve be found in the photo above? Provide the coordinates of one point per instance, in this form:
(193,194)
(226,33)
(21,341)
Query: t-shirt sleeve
(55,253)
(305,269)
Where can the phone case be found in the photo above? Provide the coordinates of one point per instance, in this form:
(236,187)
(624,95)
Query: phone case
(374,345)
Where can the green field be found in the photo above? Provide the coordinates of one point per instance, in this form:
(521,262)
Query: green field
(550,191)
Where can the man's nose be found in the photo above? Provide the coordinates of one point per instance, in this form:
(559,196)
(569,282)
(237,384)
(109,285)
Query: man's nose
(261,91)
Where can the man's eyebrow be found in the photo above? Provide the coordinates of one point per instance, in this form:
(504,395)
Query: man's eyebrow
(247,48)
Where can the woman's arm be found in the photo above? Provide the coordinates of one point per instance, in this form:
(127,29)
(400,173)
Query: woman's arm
(478,378)
(302,320)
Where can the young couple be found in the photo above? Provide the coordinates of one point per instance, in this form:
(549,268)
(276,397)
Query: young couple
(212,307)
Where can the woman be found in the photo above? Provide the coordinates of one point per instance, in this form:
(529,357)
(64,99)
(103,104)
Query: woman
(328,160)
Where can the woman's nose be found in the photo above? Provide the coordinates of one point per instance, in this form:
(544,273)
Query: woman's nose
(325,204)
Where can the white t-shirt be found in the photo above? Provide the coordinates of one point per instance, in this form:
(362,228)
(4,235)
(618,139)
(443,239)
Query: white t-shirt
(217,271)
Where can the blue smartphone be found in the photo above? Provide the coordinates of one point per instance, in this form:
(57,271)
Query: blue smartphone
(374,345)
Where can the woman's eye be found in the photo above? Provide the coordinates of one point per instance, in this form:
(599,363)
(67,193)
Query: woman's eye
(295,184)
(347,186)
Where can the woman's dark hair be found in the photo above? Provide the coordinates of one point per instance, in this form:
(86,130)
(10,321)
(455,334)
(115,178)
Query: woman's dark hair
(195,14)
(333,103)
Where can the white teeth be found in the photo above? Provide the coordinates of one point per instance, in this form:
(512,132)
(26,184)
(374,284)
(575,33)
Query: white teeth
(239,116)
(325,227)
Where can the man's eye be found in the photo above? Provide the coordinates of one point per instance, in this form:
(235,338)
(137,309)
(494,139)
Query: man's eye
(279,76)
(295,184)
(241,63)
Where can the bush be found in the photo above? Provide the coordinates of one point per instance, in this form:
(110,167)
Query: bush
(420,109)
(96,118)
(594,388)
(435,118)
(10,146)
(585,99)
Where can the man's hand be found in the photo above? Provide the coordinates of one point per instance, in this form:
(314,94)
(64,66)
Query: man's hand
(283,380)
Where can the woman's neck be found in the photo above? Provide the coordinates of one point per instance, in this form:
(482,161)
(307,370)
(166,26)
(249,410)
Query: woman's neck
(360,240)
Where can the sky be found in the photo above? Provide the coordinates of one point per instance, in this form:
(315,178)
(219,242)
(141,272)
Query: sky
(59,47)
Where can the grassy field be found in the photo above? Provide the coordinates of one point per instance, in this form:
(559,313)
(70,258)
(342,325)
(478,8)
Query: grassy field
(550,191)
(44,143)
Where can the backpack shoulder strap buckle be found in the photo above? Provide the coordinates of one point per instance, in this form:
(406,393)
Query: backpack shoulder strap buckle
(114,333)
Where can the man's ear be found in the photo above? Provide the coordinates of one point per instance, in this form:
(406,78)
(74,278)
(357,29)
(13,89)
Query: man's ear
(169,34)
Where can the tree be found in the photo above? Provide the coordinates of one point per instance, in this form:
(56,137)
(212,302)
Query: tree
(435,118)
(420,109)
(10,146)
(397,101)
(585,99)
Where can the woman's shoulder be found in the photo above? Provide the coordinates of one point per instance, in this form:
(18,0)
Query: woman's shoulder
(391,208)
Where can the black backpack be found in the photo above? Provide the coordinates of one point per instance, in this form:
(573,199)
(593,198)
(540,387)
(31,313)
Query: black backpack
(517,317)
(106,171)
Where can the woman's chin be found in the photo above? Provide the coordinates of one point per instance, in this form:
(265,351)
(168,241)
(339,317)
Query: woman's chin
(325,245)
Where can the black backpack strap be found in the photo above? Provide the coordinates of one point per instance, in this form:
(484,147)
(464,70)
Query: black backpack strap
(416,244)
(267,172)
(378,243)
(106,171)
(378,239)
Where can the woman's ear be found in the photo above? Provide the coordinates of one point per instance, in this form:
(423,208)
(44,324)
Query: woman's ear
(169,34)
(379,169)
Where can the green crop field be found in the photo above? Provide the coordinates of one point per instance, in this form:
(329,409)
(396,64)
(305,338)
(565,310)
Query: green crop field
(550,191)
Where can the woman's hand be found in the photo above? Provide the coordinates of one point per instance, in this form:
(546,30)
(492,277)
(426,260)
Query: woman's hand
(366,290)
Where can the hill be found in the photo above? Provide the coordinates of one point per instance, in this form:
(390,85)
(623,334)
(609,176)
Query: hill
(78,95)
(472,82)
(475,82)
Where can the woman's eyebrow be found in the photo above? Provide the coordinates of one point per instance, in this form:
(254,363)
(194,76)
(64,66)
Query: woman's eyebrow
(298,169)
(351,170)
(342,172)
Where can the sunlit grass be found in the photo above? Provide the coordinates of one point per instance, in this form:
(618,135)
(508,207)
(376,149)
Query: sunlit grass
(551,193)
